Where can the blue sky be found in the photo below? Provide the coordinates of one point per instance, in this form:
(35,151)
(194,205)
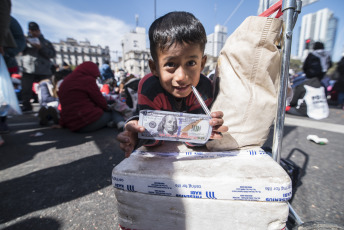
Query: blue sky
(104,22)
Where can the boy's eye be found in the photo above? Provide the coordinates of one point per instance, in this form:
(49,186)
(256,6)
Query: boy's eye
(170,64)
(191,63)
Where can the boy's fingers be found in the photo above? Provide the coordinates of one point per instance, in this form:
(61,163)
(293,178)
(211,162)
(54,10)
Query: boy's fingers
(221,129)
(216,135)
(134,127)
(123,137)
(127,154)
(216,122)
(217,114)
(127,148)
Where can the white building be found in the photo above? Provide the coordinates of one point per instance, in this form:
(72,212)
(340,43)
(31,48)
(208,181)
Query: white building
(320,26)
(136,62)
(75,53)
(135,52)
(135,40)
(216,41)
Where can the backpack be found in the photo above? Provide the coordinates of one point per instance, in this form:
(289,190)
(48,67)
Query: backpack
(314,68)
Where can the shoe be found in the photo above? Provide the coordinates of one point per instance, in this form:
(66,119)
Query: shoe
(53,115)
(43,116)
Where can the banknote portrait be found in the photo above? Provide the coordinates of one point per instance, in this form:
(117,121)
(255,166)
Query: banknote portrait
(168,125)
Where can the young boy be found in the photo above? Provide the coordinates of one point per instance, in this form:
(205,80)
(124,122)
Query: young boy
(177,43)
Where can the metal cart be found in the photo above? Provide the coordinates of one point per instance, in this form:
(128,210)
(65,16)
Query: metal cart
(291,10)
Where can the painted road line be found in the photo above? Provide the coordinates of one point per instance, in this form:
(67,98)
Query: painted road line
(22,124)
(314,124)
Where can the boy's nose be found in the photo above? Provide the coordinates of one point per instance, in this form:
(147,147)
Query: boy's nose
(180,74)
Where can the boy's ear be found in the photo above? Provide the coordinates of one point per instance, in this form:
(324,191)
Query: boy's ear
(152,67)
(204,60)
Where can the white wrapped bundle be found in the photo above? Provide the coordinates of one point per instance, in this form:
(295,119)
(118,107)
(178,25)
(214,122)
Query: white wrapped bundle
(141,211)
(173,187)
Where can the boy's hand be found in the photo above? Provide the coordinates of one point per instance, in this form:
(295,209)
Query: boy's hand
(217,123)
(128,138)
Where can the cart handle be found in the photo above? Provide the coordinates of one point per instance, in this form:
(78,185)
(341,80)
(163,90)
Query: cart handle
(276,7)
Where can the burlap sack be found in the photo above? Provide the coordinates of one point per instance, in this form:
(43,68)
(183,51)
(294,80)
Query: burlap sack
(246,78)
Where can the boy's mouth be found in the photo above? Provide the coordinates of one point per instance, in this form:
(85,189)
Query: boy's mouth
(182,88)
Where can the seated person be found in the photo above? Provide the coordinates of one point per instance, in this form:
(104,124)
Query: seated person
(47,95)
(309,100)
(106,72)
(109,86)
(83,107)
(48,102)
(177,42)
(339,85)
(130,90)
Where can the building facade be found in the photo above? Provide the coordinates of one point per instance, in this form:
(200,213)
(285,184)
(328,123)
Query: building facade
(320,26)
(216,41)
(136,62)
(135,53)
(74,53)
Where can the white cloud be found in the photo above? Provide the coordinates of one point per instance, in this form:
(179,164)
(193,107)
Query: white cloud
(59,22)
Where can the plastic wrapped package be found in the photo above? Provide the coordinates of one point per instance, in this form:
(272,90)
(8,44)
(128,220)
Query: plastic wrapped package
(141,211)
(184,188)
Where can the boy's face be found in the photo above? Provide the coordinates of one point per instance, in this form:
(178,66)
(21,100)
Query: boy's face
(178,68)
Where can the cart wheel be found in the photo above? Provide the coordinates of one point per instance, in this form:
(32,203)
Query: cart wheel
(318,225)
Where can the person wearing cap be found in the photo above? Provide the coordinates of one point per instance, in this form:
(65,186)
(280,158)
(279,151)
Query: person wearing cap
(35,62)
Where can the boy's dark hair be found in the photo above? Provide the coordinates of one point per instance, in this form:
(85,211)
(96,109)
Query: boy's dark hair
(176,27)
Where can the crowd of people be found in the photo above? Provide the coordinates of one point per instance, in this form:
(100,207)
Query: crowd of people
(91,97)
(312,91)
(84,99)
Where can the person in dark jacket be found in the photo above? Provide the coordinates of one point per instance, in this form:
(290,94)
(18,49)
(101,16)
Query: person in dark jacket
(339,85)
(35,62)
(6,40)
(12,52)
(83,107)
(12,41)
(317,62)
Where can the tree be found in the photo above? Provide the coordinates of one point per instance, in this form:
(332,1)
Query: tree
(295,65)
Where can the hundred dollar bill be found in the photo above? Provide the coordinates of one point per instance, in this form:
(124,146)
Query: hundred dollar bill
(172,126)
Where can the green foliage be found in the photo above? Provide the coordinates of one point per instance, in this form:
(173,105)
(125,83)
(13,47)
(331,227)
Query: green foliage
(295,65)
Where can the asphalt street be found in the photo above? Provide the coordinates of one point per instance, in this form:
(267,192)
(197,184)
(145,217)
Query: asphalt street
(55,179)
